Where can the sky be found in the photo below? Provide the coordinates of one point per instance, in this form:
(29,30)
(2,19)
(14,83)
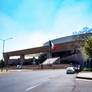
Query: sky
(33,22)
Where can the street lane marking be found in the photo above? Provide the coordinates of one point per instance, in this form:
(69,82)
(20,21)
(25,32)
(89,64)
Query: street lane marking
(5,72)
(33,87)
(51,77)
(36,84)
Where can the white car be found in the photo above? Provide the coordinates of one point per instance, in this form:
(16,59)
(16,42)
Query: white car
(19,67)
(70,70)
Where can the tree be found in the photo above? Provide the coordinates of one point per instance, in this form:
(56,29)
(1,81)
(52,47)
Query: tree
(81,37)
(1,62)
(88,52)
(88,47)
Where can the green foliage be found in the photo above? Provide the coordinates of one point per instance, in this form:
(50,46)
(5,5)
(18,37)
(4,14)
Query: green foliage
(88,47)
(1,61)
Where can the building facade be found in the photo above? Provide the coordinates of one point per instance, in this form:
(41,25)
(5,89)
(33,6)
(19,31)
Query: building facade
(65,49)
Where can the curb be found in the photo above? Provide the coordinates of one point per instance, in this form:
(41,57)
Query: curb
(5,72)
(83,78)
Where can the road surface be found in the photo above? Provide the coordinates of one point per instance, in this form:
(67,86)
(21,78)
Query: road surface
(43,81)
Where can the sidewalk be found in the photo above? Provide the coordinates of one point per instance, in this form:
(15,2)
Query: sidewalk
(84,75)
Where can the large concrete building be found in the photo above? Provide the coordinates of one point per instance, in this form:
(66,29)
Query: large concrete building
(65,49)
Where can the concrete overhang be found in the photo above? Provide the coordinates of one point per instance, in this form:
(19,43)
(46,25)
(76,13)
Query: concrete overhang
(43,49)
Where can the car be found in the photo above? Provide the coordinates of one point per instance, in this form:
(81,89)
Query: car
(70,70)
(77,69)
(19,67)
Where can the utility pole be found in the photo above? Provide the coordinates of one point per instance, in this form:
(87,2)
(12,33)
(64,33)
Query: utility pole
(4,49)
(4,45)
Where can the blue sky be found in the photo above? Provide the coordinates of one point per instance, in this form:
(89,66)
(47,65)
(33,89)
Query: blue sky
(33,22)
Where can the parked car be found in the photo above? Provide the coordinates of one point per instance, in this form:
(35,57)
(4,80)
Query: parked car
(70,70)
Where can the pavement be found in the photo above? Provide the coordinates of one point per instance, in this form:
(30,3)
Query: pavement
(81,75)
(84,75)
(38,81)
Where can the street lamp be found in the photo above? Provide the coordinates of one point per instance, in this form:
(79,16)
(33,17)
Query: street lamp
(3,50)
(4,43)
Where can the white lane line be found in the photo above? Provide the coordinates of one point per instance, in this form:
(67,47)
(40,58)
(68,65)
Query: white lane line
(36,83)
(32,87)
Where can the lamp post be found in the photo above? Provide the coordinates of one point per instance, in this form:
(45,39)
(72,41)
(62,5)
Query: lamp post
(4,44)
(3,49)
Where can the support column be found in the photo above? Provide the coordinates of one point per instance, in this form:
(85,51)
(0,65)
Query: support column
(6,58)
(22,58)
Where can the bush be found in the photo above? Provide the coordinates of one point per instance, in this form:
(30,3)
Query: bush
(1,63)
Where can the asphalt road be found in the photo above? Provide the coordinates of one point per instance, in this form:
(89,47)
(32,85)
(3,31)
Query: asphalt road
(43,81)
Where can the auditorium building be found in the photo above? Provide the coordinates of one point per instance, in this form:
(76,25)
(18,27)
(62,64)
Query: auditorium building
(65,49)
